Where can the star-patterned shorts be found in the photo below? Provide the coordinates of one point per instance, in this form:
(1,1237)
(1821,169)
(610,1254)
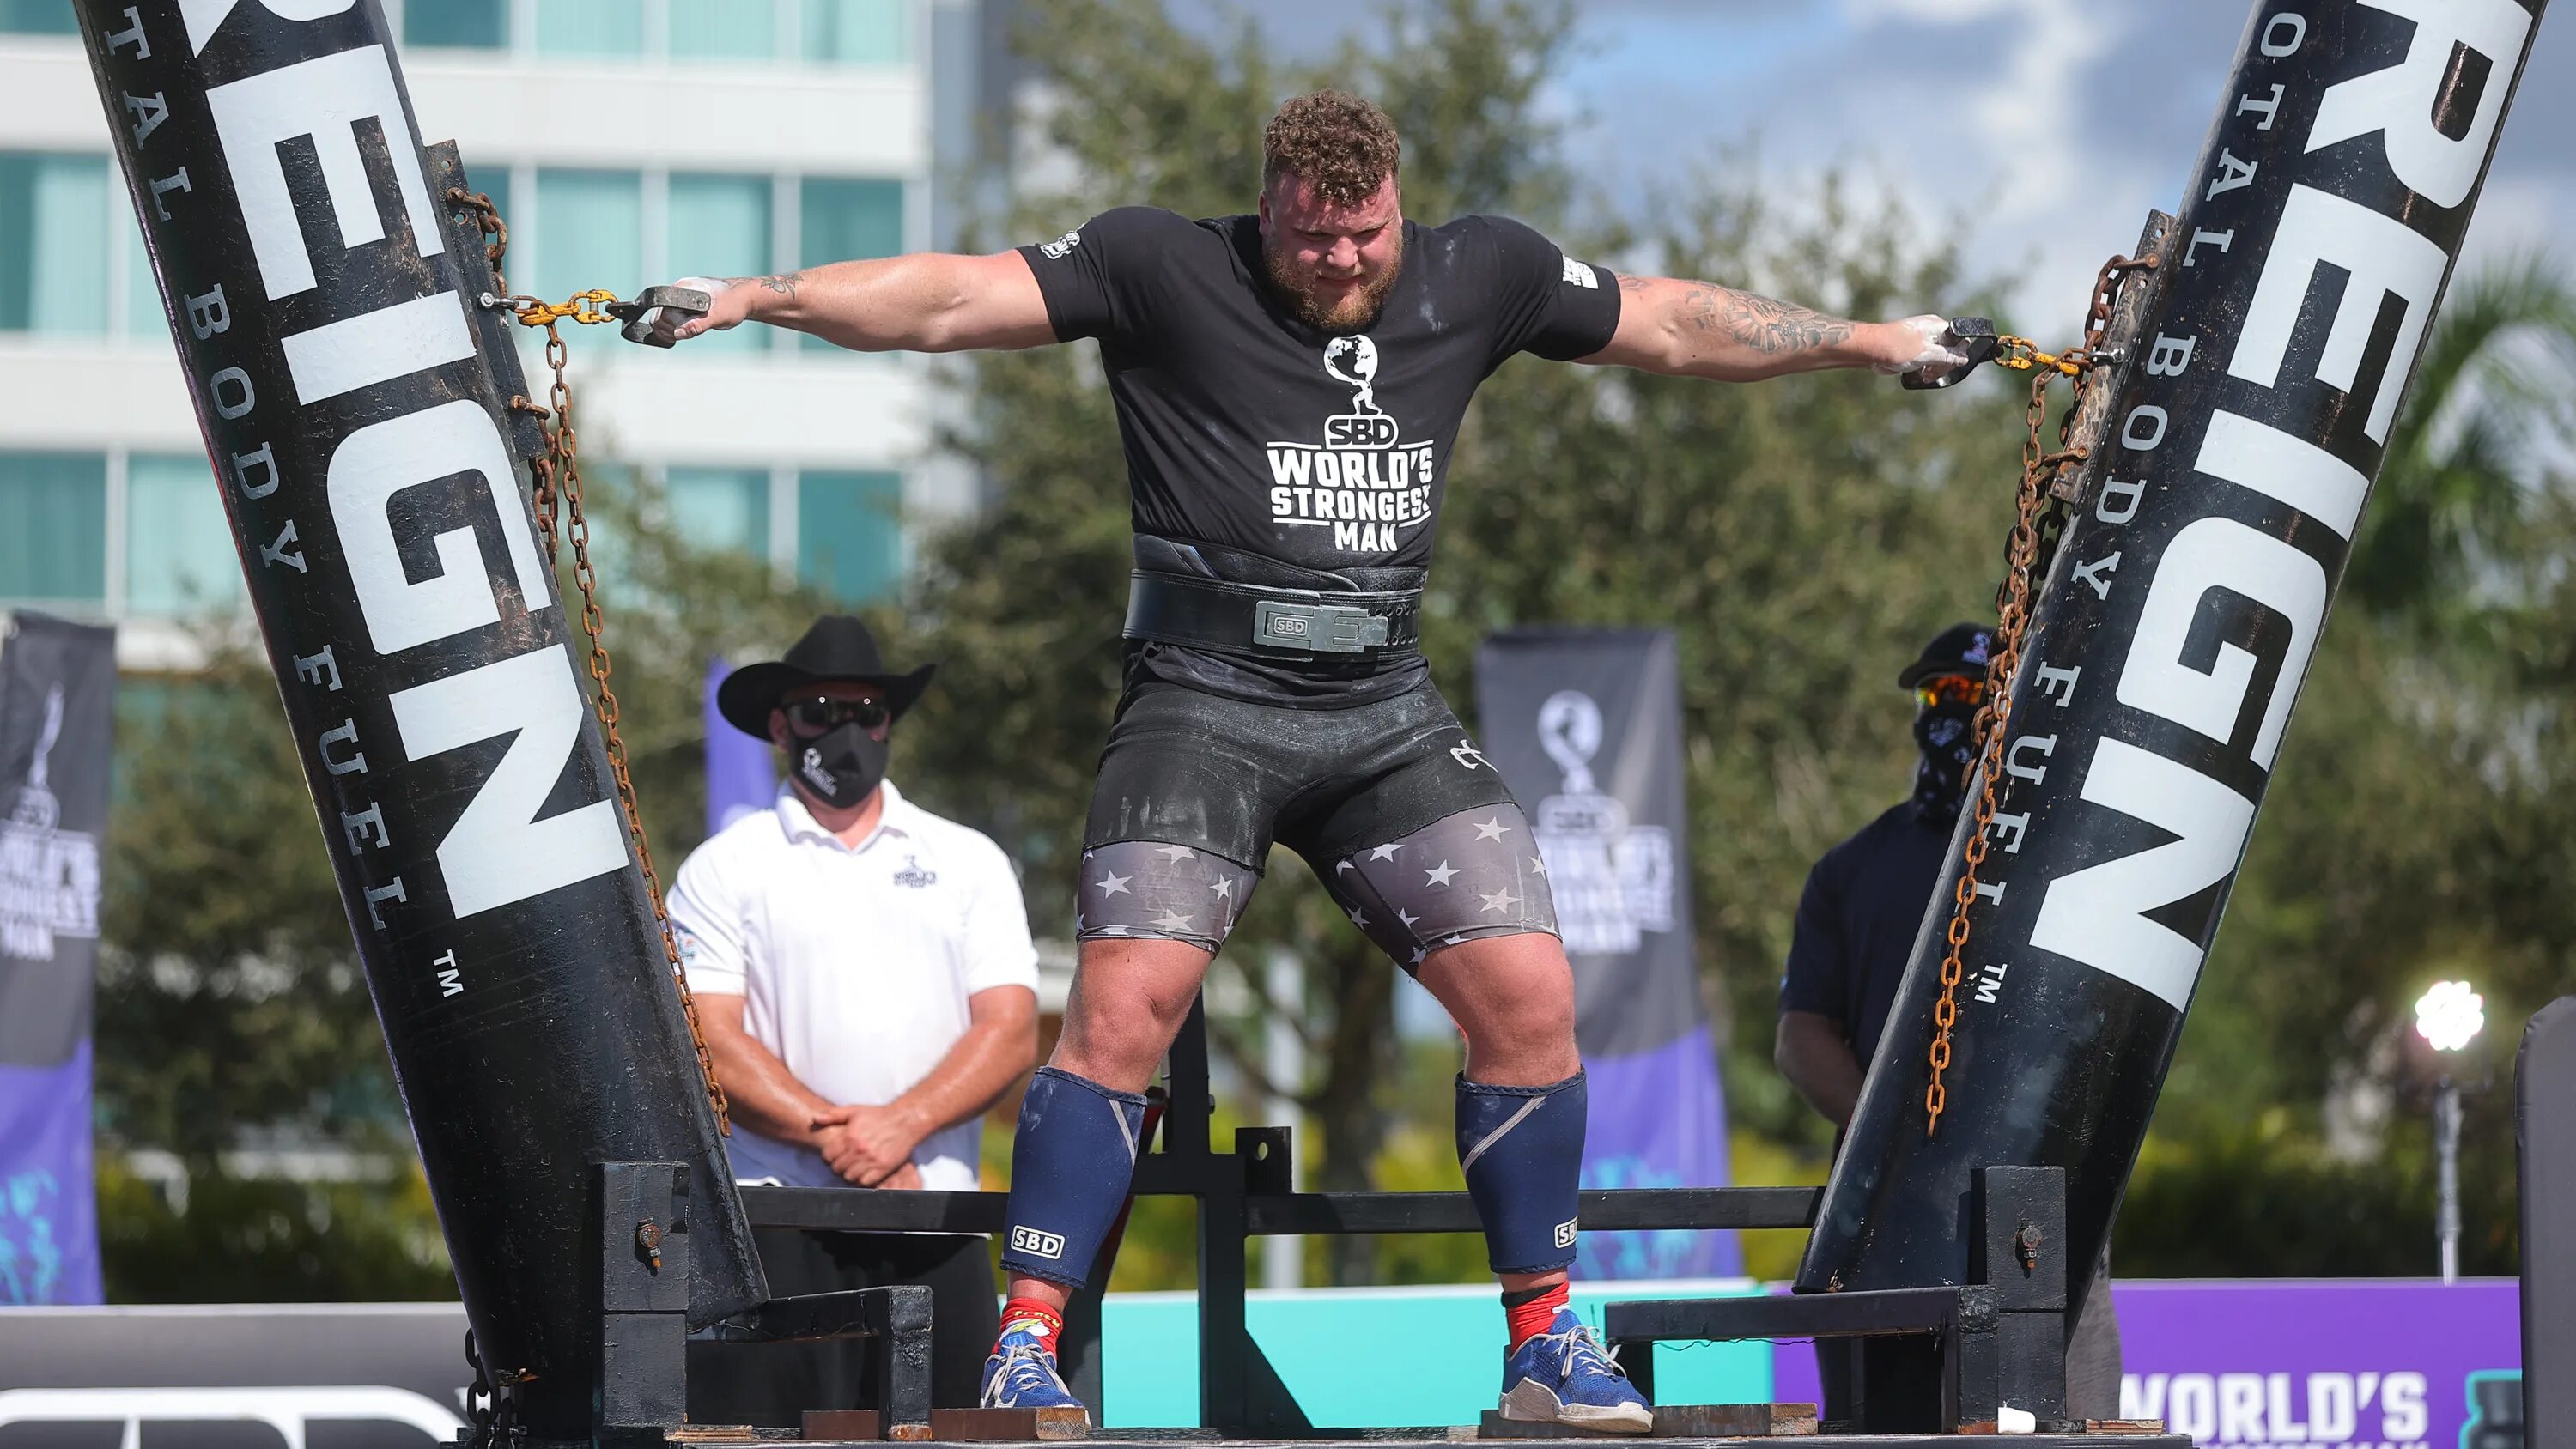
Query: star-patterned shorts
(1390,802)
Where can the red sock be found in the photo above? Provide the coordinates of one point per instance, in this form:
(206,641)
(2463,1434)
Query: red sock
(1531,1316)
(1032,1316)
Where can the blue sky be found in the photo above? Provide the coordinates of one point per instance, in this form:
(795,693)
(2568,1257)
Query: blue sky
(1950,104)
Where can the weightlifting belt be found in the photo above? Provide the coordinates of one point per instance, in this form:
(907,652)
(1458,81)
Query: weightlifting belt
(1282,623)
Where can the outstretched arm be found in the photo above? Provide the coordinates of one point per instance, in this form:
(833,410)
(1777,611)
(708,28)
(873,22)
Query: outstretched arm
(925,302)
(1699,329)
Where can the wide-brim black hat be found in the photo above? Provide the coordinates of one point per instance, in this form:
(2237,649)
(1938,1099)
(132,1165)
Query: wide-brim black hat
(838,648)
(1959,649)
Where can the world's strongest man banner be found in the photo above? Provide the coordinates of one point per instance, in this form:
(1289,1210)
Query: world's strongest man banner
(57,696)
(1585,725)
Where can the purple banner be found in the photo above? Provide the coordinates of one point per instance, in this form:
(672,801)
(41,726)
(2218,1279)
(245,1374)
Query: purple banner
(1658,1120)
(2360,1364)
(48,1207)
(739,779)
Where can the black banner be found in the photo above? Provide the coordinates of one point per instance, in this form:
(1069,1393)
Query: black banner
(2179,618)
(57,731)
(323,294)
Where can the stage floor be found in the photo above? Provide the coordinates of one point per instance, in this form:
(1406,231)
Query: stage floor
(1380,1439)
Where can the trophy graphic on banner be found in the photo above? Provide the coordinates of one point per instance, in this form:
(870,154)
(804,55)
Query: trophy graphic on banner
(1612,881)
(49,878)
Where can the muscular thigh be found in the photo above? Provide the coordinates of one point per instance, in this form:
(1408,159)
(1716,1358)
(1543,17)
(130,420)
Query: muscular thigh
(1421,842)
(1181,818)
(1405,820)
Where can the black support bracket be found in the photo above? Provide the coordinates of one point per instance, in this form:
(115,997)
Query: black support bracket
(2001,1339)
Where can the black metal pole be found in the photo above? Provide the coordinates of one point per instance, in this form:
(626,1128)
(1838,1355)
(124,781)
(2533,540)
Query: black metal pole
(323,306)
(2544,1134)
(2180,617)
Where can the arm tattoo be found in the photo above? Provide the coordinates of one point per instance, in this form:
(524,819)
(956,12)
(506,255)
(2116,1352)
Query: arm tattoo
(783,283)
(1760,323)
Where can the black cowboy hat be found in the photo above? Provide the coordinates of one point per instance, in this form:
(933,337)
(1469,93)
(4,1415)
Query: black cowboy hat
(1959,649)
(838,648)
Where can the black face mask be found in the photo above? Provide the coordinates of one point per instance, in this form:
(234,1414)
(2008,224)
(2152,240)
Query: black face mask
(1946,735)
(842,766)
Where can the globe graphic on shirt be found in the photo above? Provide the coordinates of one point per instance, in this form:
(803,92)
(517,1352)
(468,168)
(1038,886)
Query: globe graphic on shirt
(1353,362)
(1356,352)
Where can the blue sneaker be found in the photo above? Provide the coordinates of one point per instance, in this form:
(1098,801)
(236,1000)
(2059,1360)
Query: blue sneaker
(1021,1374)
(1562,1376)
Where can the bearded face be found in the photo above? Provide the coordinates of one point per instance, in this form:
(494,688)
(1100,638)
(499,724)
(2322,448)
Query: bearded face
(1331,264)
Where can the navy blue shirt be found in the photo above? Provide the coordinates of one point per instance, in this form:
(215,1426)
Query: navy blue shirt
(1857,920)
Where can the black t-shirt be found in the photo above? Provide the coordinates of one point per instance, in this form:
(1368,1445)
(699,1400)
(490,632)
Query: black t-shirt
(1857,921)
(1246,429)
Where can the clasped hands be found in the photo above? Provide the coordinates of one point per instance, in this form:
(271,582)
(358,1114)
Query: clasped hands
(870,1146)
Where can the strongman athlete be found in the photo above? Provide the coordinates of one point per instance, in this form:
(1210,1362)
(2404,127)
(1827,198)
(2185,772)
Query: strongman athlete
(1289,386)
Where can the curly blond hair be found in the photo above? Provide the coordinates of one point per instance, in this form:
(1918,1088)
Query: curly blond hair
(1337,143)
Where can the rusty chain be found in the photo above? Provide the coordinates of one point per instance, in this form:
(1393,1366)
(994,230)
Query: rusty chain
(2039,514)
(557,490)
(496,232)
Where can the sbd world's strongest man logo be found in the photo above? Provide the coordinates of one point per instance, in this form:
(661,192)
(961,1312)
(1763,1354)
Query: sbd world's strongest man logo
(1364,482)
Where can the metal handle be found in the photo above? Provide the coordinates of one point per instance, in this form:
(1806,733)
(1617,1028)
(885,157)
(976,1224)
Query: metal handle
(656,311)
(1974,336)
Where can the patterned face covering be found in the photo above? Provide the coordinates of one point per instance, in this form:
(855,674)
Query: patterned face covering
(1946,735)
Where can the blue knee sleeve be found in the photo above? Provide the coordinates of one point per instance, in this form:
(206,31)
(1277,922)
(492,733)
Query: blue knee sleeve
(1522,1151)
(1070,1168)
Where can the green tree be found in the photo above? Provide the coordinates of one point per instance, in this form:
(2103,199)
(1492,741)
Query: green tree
(232,1015)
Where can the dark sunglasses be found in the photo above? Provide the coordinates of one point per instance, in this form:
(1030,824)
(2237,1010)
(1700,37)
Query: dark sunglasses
(1950,689)
(814,718)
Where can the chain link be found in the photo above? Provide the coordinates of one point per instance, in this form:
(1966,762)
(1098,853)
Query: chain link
(492,1412)
(557,496)
(584,307)
(2022,355)
(2040,514)
(496,232)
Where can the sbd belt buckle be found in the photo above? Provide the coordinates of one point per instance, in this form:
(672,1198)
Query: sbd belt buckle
(1316,628)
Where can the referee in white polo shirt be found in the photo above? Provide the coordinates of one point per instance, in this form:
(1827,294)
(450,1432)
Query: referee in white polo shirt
(864,972)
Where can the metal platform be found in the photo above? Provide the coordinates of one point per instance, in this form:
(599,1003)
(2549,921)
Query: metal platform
(1995,1341)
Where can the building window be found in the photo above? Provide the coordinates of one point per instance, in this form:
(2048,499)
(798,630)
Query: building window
(843,220)
(53,244)
(589,233)
(179,559)
(855,32)
(37,17)
(719,227)
(53,528)
(721,30)
(849,533)
(590,27)
(458,24)
(721,508)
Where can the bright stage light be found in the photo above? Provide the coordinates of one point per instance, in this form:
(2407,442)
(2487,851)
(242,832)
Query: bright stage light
(2449,1015)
